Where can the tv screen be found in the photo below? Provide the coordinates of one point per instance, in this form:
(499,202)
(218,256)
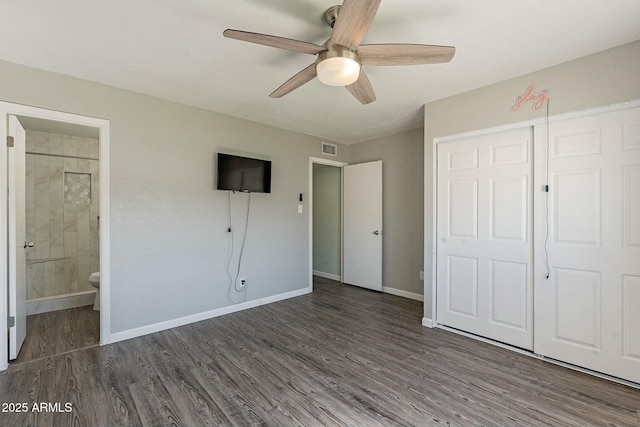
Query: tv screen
(237,173)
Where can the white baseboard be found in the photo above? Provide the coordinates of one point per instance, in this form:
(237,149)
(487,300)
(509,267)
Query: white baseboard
(327,275)
(62,302)
(401,293)
(286,295)
(181,321)
(427,322)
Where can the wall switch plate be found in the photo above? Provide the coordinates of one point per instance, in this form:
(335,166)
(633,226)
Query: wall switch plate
(422,275)
(299,208)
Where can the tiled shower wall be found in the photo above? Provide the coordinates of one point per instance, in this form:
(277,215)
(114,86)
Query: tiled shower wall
(62,209)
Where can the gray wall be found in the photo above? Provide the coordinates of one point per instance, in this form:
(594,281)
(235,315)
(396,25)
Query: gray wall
(169,243)
(608,77)
(403,192)
(327,213)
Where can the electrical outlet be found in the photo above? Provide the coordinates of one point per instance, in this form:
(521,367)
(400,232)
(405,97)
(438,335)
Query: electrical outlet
(422,275)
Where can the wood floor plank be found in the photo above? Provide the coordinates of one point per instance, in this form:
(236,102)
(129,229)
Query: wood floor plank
(224,391)
(325,380)
(340,356)
(526,392)
(105,408)
(57,332)
(69,389)
(174,360)
(118,368)
(194,402)
(35,386)
(155,405)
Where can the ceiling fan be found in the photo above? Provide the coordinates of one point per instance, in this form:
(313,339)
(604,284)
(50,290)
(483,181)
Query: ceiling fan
(339,61)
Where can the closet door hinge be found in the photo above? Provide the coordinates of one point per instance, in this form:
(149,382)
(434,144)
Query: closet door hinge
(11,321)
(10,141)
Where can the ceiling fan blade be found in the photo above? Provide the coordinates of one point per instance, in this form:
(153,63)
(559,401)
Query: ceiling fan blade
(295,82)
(404,54)
(362,89)
(275,41)
(353,22)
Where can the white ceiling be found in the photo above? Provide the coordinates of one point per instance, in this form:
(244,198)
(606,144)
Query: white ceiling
(174,49)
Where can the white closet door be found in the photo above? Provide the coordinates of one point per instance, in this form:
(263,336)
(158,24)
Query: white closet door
(588,310)
(484,236)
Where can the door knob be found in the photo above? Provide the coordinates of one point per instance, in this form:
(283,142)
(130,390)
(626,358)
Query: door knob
(377,232)
(28,244)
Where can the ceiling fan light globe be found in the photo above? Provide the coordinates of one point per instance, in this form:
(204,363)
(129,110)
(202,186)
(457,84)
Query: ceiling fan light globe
(338,71)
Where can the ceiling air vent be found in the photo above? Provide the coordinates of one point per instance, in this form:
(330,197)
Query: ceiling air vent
(329,149)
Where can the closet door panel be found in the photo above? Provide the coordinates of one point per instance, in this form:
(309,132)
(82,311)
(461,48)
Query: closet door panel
(484,235)
(587,254)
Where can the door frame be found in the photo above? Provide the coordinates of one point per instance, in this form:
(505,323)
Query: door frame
(326,162)
(103,126)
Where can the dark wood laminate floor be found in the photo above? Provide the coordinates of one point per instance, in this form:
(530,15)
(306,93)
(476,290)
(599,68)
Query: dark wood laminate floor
(339,356)
(57,332)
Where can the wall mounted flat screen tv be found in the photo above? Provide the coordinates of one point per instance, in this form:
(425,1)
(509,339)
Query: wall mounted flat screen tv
(245,174)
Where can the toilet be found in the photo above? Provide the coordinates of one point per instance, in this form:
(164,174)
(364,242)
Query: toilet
(94,280)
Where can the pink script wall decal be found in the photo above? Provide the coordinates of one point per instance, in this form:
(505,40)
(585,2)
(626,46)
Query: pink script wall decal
(537,99)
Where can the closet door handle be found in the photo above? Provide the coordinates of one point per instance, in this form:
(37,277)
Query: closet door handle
(28,244)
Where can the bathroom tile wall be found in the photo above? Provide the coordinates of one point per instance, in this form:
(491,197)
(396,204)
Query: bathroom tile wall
(62,182)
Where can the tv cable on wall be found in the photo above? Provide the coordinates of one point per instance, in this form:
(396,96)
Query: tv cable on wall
(245,175)
(240,288)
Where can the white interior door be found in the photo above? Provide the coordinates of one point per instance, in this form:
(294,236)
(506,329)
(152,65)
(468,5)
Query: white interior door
(588,310)
(363,225)
(484,236)
(17,238)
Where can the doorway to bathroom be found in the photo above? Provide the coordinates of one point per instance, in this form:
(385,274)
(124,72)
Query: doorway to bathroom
(58,199)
